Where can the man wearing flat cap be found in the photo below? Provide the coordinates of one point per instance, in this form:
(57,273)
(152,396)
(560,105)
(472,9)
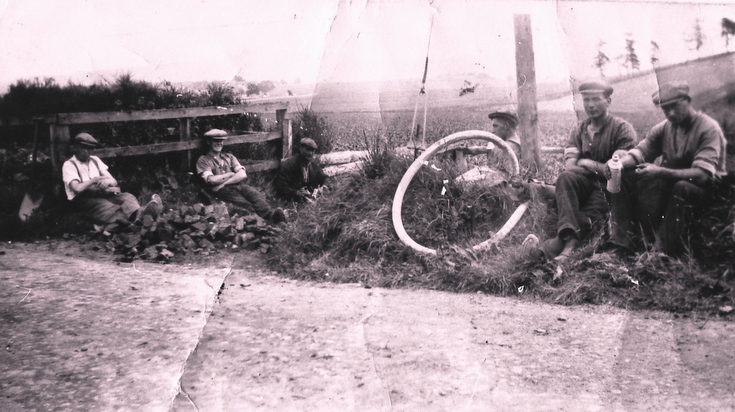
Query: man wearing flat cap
(93,191)
(661,199)
(300,176)
(580,189)
(224,178)
(504,126)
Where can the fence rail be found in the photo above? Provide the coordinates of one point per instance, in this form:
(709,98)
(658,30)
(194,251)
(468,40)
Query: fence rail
(158,148)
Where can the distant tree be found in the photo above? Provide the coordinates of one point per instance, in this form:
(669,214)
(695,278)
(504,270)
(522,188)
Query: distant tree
(631,58)
(221,94)
(238,79)
(654,53)
(266,86)
(698,36)
(252,89)
(728,30)
(601,59)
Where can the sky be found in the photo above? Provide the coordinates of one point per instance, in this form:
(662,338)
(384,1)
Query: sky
(312,41)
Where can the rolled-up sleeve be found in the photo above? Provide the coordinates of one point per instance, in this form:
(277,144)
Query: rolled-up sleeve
(625,137)
(204,168)
(708,155)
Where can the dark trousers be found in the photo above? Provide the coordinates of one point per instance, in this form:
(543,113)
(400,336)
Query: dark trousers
(581,203)
(106,208)
(654,210)
(247,197)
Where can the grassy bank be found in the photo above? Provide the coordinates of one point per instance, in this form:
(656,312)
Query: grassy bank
(348,236)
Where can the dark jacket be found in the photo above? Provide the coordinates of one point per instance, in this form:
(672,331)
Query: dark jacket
(290,178)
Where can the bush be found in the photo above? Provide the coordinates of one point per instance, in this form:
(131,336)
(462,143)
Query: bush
(309,124)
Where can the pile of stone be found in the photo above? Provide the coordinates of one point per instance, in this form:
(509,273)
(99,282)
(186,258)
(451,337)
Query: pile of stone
(199,228)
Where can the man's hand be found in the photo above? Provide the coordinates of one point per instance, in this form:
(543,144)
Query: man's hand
(650,171)
(590,165)
(218,187)
(303,193)
(95,184)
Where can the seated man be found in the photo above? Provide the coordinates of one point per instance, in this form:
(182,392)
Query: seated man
(225,179)
(580,195)
(299,176)
(95,193)
(660,199)
(504,126)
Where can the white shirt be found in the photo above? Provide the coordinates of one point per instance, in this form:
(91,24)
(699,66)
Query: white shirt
(73,170)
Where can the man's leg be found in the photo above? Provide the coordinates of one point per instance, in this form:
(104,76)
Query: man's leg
(100,209)
(257,199)
(127,202)
(232,194)
(623,225)
(593,213)
(650,199)
(249,198)
(673,231)
(572,192)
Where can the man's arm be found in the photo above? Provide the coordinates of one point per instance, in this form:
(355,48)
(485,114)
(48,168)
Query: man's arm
(318,177)
(694,175)
(233,179)
(573,151)
(91,185)
(287,183)
(623,140)
(71,177)
(214,180)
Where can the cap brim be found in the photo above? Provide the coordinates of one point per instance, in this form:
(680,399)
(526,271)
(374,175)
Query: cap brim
(670,101)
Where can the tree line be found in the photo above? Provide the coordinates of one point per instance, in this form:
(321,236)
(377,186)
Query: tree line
(631,62)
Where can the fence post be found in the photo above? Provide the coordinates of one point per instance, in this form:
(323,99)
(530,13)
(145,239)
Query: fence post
(59,136)
(184,136)
(526,80)
(287,138)
(286,133)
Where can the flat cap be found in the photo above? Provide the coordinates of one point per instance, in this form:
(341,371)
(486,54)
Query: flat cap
(216,134)
(86,139)
(308,143)
(670,93)
(596,86)
(507,115)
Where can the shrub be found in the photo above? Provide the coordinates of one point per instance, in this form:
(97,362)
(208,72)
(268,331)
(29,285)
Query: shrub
(309,124)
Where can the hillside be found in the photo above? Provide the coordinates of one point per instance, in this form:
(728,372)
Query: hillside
(707,78)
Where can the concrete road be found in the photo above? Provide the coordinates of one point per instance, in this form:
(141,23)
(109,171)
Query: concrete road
(82,333)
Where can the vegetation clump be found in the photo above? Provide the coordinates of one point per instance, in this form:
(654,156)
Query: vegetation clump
(348,236)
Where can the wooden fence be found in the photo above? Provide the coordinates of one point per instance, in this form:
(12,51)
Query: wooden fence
(335,163)
(60,137)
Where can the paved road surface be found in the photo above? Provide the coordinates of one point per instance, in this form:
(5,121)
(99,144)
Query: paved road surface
(82,333)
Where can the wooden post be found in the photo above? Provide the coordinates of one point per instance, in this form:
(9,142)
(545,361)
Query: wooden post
(185,136)
(526,80)
(286,132)
(287,138)
(59,145)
